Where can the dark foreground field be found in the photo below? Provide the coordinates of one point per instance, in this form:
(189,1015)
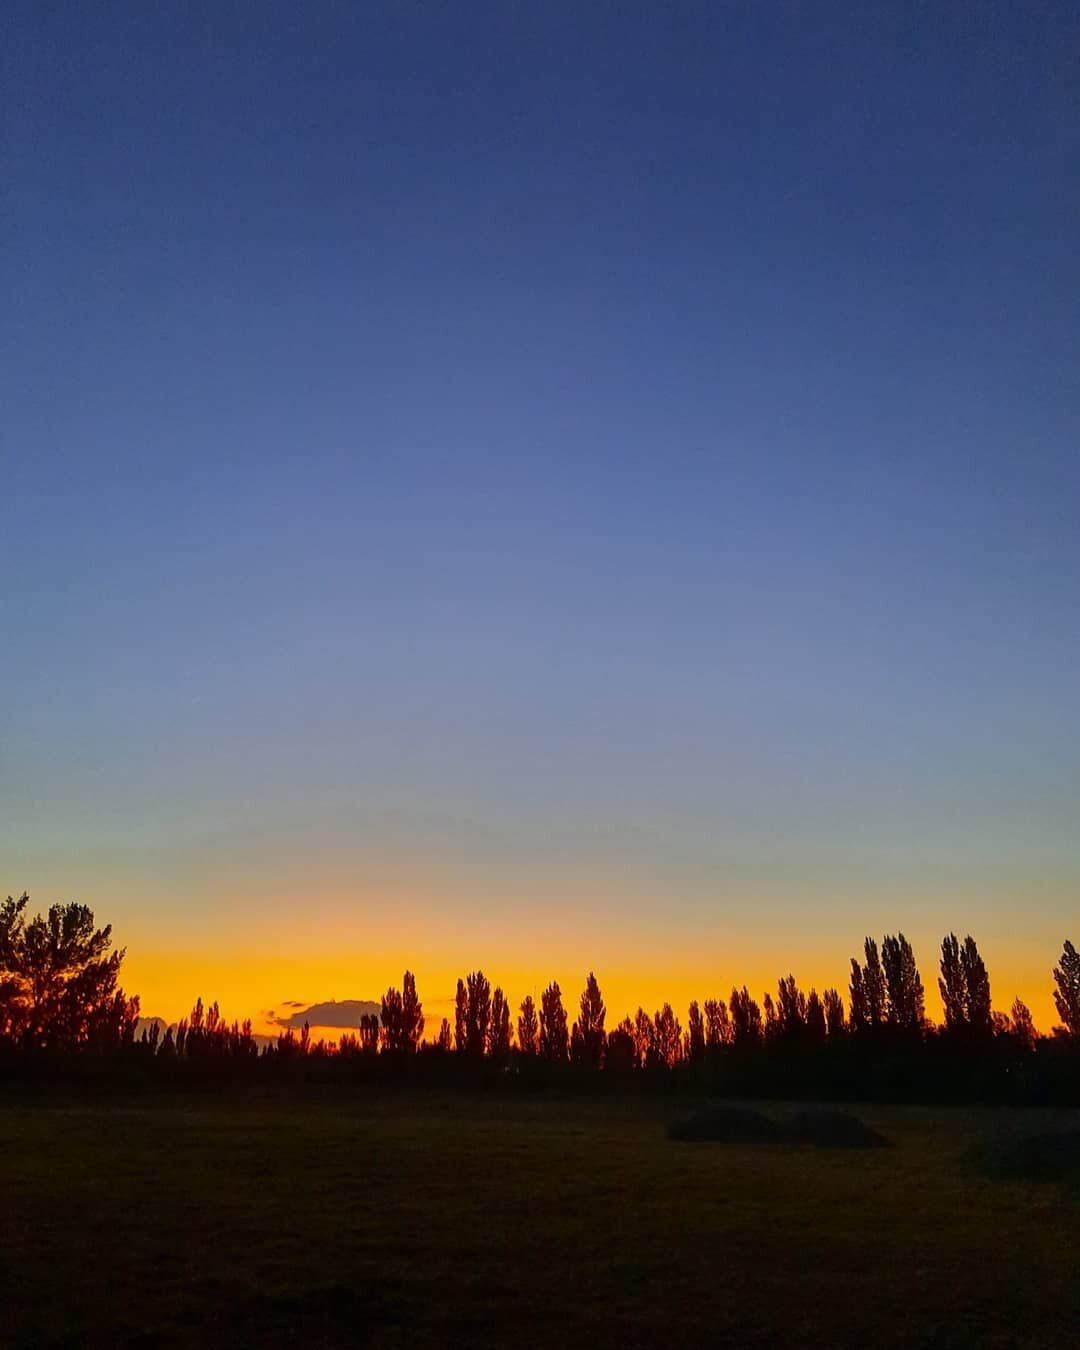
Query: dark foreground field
(495,1220)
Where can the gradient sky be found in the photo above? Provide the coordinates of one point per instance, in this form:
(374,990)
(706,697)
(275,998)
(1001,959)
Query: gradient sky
(541,486)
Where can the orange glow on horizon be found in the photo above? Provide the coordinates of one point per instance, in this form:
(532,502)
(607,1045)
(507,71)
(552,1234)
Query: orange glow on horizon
(254,986)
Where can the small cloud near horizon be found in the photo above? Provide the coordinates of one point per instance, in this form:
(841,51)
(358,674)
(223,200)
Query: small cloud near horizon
(342,1014)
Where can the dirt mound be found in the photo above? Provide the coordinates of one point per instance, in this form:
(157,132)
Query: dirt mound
(726,1125)
(831,1129)
(1052,1156)
(743,1125)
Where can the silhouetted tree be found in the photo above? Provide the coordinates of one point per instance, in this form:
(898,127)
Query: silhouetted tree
(554,1040)
(745,1018)
(860,1017)
(369,1034)
(499,1032)
(1022,1025)
(461,1017)
(976,988)
(668,1040)
(790,1009)
(402,1018)
(905,1000)
(951,983)
(695,1034)
(528,1027)
(588,1037)
(965,988)
(59,982)
(472,1011)
(834,1012)
(815,1018)
(412,1015)
(620,1054)
(445,1043)
(644,1034)
(873,985)
(771,1025)
(1067,990)
(717,1023)
(390,1036)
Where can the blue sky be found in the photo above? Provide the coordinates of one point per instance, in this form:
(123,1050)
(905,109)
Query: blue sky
(629,453)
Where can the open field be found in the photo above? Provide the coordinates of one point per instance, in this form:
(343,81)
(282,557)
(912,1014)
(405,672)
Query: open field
(491,1220)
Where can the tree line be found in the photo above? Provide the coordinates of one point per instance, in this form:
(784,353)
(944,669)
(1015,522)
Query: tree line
(60,998)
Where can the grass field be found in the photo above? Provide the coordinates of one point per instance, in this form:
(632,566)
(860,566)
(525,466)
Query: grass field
(495,1220)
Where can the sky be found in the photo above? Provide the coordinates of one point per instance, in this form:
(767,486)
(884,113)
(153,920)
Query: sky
(541,487)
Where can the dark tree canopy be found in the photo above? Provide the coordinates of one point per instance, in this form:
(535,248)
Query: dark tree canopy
(816,1029)
(59,982)
(745,1018)
(790,1009)
(472,1013)
(667,1042)
(905,999)
(951,983)
(528,1026)
(965,988)
(695,1033)
(860,1017)
(1067,989)
(402,1018)
(717,1023)
(873,978)
(499,1034)
(588,1038)
(554,1039)
(834,1012)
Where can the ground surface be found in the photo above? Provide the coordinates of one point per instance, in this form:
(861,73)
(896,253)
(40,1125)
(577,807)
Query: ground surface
(423,1222)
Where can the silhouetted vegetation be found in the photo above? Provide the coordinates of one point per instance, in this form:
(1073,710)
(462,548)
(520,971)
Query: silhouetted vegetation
(61,1004)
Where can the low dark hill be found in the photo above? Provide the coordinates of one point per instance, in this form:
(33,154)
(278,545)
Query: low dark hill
(726,1125)
(741,1125)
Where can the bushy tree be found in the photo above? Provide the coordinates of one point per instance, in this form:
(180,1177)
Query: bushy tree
(717,1023)
(1067,989)
(815,1018)
(472,1014)
(860,1017)
(620,1054)
(873,984)
(528,1027)
(965,988)
(1022,1025)
(402,1018)
(668,1039)
(461,1017)
(977,1006)
(771,1024)
(905,999)
(499,1031)
(554,1039)
(695,1034)
(588,1038)
(834,1012)
(644,1034)
(369,1034)
(951,983)
(412,1014)
(790,1009)
(59,982)
(745,1018)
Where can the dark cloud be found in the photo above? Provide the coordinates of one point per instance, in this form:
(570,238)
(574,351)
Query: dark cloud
(344,1013)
